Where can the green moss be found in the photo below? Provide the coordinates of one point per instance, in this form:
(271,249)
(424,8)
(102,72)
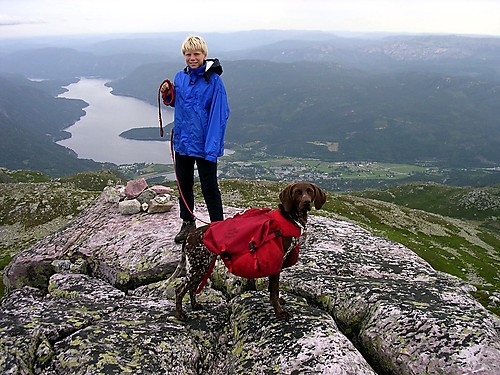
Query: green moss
(70,362)
(76,341)
(45,352)
(122,278)
(61,293)
(25,176)
(77,322)
(325,301)
(131,322)
(108,359)
(95,180)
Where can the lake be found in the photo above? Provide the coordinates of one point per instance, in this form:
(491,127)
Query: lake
(96,135)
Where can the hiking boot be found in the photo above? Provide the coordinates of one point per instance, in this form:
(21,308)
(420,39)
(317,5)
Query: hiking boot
(185,228)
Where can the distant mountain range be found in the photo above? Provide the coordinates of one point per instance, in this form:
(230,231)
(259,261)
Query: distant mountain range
(400,99)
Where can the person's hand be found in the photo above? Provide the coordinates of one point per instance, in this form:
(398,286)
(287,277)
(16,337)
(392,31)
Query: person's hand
(164,87)
(167,92)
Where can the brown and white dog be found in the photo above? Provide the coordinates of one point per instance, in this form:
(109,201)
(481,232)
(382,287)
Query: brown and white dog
(296,201)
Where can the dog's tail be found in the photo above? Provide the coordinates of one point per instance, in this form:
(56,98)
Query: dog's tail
(180,266)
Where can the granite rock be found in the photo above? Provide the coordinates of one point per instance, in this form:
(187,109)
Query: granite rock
(92,298)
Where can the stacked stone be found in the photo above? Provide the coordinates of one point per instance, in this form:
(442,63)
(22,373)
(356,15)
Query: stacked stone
(137,196)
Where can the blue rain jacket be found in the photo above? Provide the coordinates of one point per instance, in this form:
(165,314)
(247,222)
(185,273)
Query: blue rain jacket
(201,111)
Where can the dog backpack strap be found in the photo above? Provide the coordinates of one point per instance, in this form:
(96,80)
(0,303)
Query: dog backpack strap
(253,247)
(255,263)
(272,235)
(207,275)
(226,258)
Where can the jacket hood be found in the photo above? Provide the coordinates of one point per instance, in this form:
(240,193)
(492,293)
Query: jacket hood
(211,66)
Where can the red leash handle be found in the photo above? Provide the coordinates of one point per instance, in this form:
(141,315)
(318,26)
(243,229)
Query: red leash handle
(165,96)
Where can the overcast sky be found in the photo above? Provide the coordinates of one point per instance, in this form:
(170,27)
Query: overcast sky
(61,17)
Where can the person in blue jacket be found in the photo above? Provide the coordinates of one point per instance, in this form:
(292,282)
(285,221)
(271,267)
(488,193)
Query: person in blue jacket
(201,113)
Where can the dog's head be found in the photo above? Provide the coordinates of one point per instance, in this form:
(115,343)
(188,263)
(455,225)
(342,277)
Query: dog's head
(300,196)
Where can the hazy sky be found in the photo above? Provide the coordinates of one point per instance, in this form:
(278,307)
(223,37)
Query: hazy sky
(52,17)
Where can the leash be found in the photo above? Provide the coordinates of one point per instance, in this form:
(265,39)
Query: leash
(163,95)
(172,154)
(296,241)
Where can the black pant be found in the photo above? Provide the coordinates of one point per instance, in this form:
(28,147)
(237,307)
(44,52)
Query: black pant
(207,171)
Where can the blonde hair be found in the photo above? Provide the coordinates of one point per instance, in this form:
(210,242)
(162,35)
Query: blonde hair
(194,43)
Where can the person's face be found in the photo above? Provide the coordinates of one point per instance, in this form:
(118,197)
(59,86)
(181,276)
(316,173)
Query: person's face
(194,59)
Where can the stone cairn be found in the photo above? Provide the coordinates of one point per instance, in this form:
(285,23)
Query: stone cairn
(137,196)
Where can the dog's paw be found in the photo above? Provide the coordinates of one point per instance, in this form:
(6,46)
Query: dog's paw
(249,285)
(181,317)
(197,307)
(283,315)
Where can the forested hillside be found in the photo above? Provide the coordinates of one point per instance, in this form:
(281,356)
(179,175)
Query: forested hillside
(427,100)
(31,120)
(336,113)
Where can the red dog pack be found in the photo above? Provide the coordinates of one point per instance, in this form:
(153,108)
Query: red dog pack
(250,243)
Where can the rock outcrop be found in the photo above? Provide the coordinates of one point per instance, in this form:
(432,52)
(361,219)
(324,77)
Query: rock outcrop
(91,298)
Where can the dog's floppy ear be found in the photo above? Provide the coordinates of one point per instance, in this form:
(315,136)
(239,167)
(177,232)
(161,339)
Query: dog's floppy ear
(286,197)
(319,197)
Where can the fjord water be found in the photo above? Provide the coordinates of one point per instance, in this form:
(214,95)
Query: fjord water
(96,135)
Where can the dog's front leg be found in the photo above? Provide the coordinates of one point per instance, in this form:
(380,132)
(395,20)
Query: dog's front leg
(180,291)
(194,304)
(274,296)
(187,286)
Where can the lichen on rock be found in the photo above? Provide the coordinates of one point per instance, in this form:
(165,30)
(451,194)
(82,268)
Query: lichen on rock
(92,298)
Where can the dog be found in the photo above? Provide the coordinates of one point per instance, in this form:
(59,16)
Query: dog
(296,201)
